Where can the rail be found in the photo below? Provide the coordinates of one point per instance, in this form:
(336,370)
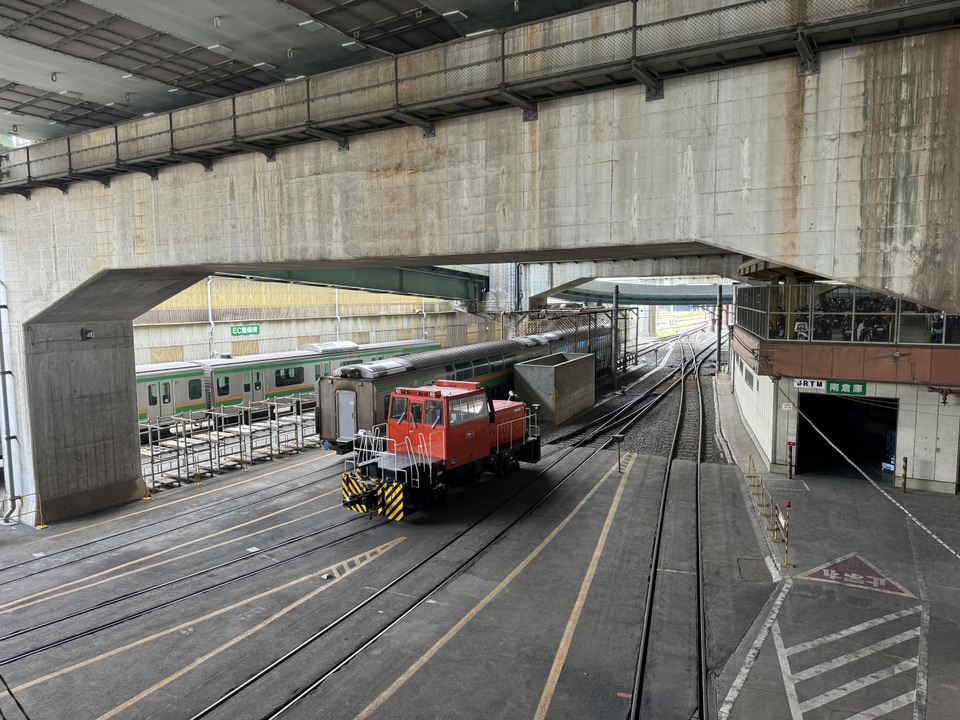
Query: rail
(513,67)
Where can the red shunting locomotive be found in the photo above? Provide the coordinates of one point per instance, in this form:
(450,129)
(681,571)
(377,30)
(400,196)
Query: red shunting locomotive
(436,436)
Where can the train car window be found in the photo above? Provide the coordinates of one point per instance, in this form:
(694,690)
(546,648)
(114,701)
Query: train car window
(195,389)
(480,369)
(326,368)
(451,372)
(257,384)
(289,376)
(464,371)
(166,392)
(152,394)
(416,413)
(247,384)
(398,408)
(509,360)
(496,364)
(386,406)
(223,385)
(434,413)
(317,372)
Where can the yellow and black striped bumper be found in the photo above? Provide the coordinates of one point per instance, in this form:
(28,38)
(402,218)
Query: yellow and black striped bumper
(372,496)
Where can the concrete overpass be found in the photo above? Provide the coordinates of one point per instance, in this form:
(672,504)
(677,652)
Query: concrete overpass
(848,173)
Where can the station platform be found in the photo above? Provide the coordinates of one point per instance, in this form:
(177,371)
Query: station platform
(865,618)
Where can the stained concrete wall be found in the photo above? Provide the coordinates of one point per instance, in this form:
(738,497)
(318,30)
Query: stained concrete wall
(850,174)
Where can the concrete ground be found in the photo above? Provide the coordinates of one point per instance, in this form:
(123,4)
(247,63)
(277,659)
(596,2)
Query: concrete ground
(865,620)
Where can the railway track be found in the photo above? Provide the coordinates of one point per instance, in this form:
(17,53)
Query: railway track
(671,676)
(472,542)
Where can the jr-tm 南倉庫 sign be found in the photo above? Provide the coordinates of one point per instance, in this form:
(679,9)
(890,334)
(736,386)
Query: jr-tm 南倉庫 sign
(237,330)
(840,387)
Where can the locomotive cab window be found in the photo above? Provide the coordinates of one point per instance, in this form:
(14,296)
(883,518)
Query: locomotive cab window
(289,376)
(466,409)
(434,413)
(195,389)
(416,413)
(398,409)
(223,385)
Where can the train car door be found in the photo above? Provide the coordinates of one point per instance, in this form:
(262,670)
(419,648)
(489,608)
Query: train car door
(166,399)
(159,399)
(346,415)
(252,386)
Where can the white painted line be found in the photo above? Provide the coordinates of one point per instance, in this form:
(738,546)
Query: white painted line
(858,684)
(863,652)
(676,572)
(772,567)
(751,659)
(920,703)
(852,630)
(788,683)
(884,709)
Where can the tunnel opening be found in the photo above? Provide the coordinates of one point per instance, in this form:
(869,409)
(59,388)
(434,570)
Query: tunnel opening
(863,428)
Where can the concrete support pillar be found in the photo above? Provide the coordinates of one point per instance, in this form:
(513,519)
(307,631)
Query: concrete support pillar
(83,417)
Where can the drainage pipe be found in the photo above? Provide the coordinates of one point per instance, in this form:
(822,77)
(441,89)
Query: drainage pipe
(210,313)
(8,463)
(336,305)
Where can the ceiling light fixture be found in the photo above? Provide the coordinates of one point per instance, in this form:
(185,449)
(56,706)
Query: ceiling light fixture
(132,78)
(265,66)
(353,46)
(220,49)
(455,16)
(311,25)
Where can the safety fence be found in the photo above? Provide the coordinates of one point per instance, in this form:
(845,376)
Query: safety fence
(773,518)
(192,446)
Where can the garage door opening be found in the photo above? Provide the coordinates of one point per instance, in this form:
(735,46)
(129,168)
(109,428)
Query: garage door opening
(863,428)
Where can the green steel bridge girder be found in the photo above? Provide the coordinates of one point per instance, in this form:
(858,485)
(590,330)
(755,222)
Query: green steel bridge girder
(466,284)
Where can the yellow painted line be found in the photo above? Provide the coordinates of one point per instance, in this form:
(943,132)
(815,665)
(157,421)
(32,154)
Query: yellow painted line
(452,632)
(85,583)
(339,570)
(220,488)
(547,697)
